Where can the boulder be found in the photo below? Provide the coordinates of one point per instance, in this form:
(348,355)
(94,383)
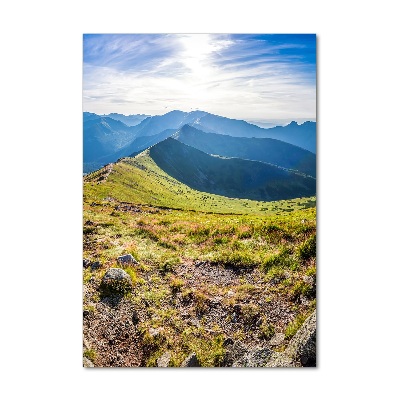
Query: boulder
(191,361)
(126,259)
(116,281)
(301,350)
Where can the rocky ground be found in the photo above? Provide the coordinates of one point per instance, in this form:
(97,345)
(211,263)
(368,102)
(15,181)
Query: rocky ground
(235,305)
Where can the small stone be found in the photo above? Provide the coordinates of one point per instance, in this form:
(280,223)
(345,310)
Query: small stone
(87,363)
(309,280)
(135,318)
(86,313)
(154,332)
(127,259)
(230,293)
(228,342)
(277,339)
(86,263)
(198,263)
(96,265)
(237,308)
(191,361)
(163,361)
(195,322)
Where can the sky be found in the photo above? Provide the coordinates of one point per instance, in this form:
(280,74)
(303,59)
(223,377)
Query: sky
(265,78)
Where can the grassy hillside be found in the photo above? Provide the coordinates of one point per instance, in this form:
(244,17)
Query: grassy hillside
(140,180)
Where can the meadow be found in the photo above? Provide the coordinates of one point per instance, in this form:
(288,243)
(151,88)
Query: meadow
(211,270)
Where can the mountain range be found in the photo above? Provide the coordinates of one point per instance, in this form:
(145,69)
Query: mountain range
(107,138)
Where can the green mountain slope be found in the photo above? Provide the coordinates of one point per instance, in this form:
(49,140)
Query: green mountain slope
(140,180)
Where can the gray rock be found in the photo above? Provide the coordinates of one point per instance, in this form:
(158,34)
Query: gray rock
(116,280)
(277,339)
(191,361)
(95,265)
(254,358)
(127,259)
(235,351)
(163,361)
(303,346)
(86,263)
(153,332)
(301,350)
(194,322)
(87,363)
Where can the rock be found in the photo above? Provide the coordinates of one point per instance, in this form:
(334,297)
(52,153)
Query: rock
(87,363)
(194,322)
(163,361)
(277,339)
(86,313)
(86,263)
(228,342)
(191,361)
(234,352)
(237,308)
(310,280)
(127,259)
(153,332)
(116,281)
(254,358)
(303,346)
(135,318)
(301,350)
(199,263)
(95,265)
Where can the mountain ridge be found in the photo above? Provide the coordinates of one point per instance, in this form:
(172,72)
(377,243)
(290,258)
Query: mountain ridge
(267,150)
(231,177)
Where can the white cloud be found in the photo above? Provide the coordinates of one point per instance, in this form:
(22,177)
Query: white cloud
(218,74)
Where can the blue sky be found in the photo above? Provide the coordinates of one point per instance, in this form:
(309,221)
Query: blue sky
(252,77)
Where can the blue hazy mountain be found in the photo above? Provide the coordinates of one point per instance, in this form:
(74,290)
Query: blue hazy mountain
(103,136)
(303,135)
(232,177)
(106,139)
(129,120)
(171,120)
(259,149)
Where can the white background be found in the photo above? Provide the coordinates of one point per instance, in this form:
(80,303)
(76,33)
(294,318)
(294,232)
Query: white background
(358,217)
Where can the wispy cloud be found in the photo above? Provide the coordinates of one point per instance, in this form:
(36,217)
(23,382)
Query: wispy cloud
(254,77)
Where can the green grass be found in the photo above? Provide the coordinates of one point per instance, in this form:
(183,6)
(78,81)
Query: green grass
(90,354)
(177,227)
(141,181)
